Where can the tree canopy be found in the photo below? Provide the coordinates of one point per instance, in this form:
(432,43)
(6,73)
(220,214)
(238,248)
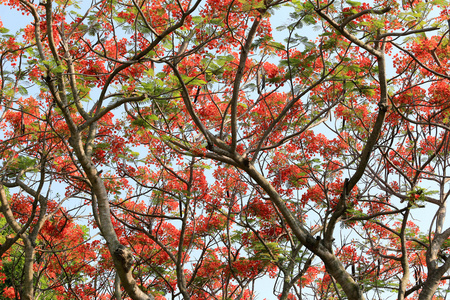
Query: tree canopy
(186,149)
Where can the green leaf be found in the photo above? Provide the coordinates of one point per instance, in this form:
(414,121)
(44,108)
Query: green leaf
(277,45)
(216,21)
(353,3)
(243,105)
(439,2)
(59,69)
(326,34)
(192,80)
(150,72)
(23,91)
(197,19)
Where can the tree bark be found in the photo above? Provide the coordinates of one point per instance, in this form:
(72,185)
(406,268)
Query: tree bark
(28,272)
(121,255)
(332,263)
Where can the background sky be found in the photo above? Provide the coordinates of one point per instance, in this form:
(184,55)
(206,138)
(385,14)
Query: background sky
(14,20)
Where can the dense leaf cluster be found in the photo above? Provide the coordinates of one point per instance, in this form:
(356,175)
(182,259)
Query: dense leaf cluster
(186,150)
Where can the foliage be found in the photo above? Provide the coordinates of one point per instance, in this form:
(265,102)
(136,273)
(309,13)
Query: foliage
(186,150)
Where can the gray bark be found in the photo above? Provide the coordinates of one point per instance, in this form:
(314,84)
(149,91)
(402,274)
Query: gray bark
(122,256)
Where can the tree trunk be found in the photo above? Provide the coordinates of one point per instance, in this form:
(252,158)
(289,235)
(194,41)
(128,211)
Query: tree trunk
(28,272)
(121,255)
(332,263)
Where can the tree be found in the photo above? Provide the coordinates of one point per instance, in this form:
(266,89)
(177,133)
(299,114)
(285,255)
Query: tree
(209,155)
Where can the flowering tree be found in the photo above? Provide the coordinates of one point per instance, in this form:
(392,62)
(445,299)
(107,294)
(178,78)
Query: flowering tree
(156,149)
